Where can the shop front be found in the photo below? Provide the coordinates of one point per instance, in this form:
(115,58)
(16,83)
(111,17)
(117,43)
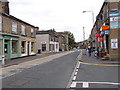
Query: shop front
(9,46)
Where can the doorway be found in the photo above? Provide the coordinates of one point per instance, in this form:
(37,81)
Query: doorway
(7,49)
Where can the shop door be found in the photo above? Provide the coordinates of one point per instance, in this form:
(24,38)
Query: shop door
(7,49)
(28,47)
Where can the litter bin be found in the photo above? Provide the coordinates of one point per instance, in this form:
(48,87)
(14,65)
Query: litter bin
(39,51)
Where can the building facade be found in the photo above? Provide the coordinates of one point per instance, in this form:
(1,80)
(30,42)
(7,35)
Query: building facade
(63,41)
(105,33)
(47,41)
(17,38)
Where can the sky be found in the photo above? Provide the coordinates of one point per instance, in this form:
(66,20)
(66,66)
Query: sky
(62,15)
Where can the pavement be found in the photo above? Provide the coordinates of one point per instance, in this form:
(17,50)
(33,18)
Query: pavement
(93,59)
(17,61)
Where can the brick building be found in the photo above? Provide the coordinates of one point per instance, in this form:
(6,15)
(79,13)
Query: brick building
(17,38)
(105,33)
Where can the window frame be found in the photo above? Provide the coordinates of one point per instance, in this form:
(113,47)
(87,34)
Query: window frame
(14,27)
(23,27)
(0,23)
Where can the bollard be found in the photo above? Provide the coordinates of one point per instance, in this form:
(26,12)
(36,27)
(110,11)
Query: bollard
(3,60)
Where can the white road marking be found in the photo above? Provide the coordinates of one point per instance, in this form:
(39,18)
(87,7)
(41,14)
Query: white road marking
(85,84)
(73,85)
(76,73)
(74,78)
(112,83)
(76,70)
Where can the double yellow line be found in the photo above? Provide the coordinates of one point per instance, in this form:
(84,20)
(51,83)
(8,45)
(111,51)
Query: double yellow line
(99,64)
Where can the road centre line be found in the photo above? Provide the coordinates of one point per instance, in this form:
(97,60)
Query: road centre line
(98,64)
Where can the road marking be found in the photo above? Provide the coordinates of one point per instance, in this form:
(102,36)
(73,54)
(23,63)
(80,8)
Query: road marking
(74,78)
(99,64)
(85,84)
(73,85)
(76,73)
(76,70)
(112,83)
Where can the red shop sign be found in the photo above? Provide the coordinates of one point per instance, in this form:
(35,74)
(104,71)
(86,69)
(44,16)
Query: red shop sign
(97,34)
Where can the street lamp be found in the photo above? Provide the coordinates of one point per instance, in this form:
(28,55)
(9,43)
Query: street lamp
(92,15)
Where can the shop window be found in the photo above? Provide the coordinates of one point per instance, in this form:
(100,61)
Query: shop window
(0,23)
(14,27)
(0,47)
(23,47)
(23,30)
(32,47)
(14,47)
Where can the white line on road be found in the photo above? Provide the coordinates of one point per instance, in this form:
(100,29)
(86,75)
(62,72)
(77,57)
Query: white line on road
(85,84)
(76,73)
(74,78)
(73,85)
(112,83)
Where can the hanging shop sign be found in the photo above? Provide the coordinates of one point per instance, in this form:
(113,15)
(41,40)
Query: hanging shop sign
(107,32)
(114,19)
(114,13)
(114,43)
(97,34)
(105,27)
(115,24)
(101,38)
(102,33)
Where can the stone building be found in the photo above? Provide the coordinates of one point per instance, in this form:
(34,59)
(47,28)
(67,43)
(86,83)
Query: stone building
(47,41)
(17,38)
(63,41)
(105,33)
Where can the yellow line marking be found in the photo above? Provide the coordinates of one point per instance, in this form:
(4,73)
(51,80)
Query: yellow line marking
(99,64)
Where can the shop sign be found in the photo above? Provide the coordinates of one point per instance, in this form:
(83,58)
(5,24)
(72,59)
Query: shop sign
(98,35)
(113,19)
(115,24)
(107,32)
(114,43)
(105,27)
(114,13)
(102,33)
(101,38)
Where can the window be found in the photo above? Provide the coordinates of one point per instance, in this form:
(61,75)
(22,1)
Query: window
(0,23)
(23,30)
(14,27)
(23,47)
(43,47)
(32,46)
(14,46)
(0,47)
(32,33)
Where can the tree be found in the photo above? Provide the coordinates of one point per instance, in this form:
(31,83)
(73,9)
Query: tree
(71,39)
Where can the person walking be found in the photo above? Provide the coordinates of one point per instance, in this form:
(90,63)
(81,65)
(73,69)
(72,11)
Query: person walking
(89,51)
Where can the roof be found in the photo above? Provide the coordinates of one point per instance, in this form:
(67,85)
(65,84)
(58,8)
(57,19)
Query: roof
(14,18)
(3,0)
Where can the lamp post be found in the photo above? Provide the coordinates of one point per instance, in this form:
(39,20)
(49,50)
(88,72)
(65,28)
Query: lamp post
(92,15)
(83,33)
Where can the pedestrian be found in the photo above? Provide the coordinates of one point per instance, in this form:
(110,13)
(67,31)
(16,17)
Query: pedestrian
(96,54)
(89,51)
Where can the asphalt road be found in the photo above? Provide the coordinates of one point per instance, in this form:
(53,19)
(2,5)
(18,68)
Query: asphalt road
(96,76)
(53,74)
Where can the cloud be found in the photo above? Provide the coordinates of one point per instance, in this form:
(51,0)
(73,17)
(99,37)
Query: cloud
(59,14)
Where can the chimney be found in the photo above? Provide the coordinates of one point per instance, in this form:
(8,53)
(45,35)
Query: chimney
(4,6)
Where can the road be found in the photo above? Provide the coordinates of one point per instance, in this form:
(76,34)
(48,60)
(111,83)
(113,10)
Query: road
(52,74)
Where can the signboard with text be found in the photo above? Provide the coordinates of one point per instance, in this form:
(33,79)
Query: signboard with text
(114,43)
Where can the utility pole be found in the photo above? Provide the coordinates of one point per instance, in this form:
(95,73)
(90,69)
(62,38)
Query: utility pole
(83,33)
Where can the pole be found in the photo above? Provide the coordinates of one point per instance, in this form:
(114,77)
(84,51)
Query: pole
(83,33)
(3,60)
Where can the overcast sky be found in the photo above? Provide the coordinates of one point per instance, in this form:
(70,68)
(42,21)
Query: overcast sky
(63,15)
